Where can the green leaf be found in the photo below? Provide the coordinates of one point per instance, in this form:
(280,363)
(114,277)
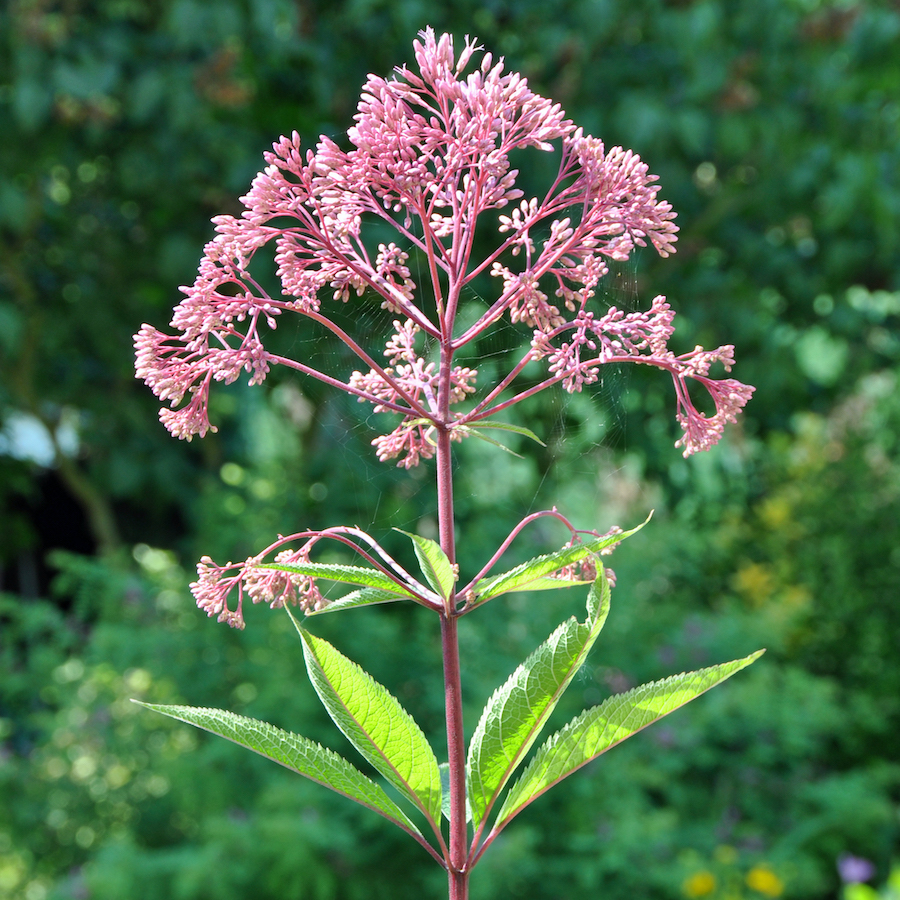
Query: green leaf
(362,597)
(597,729)
(296,753)
(346,574)
(547,583)
(375,723)
(523,576)
(435,565)
(516,713)
(505,426)
(474,432)
(445,794)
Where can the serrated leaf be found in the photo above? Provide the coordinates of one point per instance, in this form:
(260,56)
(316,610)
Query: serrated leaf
(299,754)
(435,565)
(523,576)
(347,574)
(519,709)
(362,597)
(505,426)
(547,583)
(597,729)
(375,723)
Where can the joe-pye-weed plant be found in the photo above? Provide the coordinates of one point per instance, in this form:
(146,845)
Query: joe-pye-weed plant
(429,159)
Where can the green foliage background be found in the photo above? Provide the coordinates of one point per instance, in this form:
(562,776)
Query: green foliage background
(775,128)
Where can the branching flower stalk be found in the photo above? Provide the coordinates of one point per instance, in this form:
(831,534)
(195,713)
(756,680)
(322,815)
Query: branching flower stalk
(429,156)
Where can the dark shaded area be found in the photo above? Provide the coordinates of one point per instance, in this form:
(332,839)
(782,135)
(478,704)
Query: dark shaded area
(45,517)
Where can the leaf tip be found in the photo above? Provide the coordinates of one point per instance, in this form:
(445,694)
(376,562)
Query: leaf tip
(294,621)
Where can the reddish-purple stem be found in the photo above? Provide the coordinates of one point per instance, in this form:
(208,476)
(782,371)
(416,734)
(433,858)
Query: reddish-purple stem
(457,872)
(511,537)
(346,388)
(339,332)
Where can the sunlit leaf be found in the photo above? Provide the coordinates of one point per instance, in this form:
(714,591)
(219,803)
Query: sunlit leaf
(516,713)
(336,572)
(362,597)
(293,752)
(375,723)
(436,567)
(597,729)
(533,571)
(505,426)
(474,432)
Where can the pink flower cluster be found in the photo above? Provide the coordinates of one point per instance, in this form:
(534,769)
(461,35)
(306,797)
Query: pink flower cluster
(577,350)
(429,156)
(276,587)
(418,379)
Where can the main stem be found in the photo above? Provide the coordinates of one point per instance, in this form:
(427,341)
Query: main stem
(458,876)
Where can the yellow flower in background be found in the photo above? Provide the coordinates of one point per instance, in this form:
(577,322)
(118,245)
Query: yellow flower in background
(699,884)
(755,582)
(764,880)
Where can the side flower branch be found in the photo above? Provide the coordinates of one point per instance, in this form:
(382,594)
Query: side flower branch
(290,579)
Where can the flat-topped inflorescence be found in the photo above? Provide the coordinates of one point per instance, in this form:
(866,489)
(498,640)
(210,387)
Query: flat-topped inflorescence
(429,155)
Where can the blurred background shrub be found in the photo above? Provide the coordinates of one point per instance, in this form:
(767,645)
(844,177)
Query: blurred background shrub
(775,128)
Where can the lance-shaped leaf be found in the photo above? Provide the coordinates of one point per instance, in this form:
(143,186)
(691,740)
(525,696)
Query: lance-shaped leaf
(346,574)
(375,723)
(362,597)
(545,583)
(531,575)
(604,726)
(505,426)
(435,565)
(516,713)
(465,431)
(299,754)
(476,431)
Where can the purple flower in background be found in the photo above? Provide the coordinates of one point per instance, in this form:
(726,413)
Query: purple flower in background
(854,869)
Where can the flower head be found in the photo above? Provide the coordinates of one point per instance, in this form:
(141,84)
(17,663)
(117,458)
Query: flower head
(429,158)
(261,582)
